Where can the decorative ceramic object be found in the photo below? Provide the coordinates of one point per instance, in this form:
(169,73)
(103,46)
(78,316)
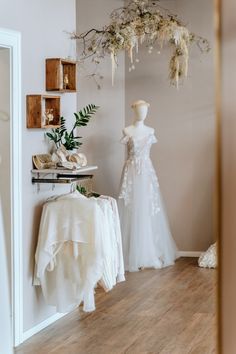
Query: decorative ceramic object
(80,159)
(69,160)
(43,161)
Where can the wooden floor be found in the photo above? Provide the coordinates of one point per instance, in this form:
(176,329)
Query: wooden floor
(168,311)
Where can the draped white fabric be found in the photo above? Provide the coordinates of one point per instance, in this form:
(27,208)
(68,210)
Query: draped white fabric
(77,248)
(112,245)
(147,240)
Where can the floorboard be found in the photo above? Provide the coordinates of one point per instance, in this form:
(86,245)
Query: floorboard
(168,311)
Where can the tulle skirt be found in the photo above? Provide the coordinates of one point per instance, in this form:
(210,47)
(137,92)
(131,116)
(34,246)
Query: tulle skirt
(146,236)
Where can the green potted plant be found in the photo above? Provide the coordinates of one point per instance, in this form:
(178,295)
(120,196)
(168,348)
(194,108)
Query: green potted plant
(69,139)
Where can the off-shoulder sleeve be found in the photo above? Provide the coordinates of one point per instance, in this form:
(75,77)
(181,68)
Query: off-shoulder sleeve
(124,139)
(154,138)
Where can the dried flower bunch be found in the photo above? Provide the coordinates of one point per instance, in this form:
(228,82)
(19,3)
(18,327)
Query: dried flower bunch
(141,21)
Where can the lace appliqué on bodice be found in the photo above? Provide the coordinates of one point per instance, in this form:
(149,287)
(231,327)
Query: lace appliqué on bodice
(139,163)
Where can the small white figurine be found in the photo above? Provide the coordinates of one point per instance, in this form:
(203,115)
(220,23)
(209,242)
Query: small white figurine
(66,81)
(49,116)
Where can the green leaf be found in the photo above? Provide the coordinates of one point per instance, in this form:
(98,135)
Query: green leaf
(69,140)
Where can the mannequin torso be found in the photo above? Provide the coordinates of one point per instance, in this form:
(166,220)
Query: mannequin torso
(138,130)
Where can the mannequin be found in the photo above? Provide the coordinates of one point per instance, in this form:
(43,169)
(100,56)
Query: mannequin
(147,240)
(138,129)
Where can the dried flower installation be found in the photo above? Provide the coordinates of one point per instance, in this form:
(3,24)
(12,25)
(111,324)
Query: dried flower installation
(141,21)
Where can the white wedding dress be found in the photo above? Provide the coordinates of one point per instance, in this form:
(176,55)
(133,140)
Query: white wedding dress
(147,240)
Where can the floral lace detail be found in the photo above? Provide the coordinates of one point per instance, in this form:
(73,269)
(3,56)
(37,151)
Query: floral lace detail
(208,259)
(139,162)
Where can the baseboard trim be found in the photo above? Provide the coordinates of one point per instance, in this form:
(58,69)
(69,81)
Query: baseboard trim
(36,329)
(189,254)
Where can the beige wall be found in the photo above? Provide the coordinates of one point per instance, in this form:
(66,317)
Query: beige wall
(184,121)
(102,145)
(228,285)
(41,24)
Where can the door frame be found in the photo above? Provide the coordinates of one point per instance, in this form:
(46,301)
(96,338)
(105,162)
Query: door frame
(12,40)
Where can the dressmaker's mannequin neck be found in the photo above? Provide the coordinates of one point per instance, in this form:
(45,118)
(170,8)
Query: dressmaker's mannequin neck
(138,123)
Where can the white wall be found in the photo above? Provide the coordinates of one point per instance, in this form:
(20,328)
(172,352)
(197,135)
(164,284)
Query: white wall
(184,121)
(41,24)
(102,145)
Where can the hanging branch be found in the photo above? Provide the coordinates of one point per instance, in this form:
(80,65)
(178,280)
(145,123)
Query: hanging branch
(141,21)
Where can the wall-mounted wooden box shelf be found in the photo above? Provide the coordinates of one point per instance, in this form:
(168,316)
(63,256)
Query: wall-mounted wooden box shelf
(61,75)
(43,111)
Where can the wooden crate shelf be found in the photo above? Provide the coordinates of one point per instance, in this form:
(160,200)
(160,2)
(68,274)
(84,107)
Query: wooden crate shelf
(61,75)
(37,107)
